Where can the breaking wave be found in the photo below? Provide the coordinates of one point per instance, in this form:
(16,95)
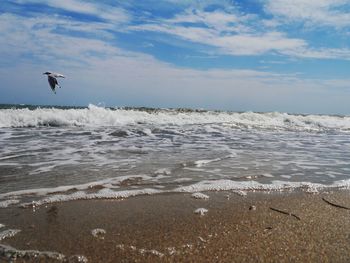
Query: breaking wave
(94,116)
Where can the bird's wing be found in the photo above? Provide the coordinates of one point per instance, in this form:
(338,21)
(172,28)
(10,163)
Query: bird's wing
(57,83)
(57,75)
(52,82)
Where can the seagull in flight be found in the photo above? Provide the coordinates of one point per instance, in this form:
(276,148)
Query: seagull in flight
(52,79)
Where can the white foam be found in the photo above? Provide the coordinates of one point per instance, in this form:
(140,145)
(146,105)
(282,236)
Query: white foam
(94,116)
(194,169)
(7,203)
(201,163)
(182,180)
(2,225)
(267,175)
(171,251)
(200,196)
(11,254)
(286,176)
(154,252)
(43,169)
(227,185)
(8,233)
(163,171)
(107,183)
(98,233)
(142,251)
(14,156)
(109,190)
(240,192)
(81,195)
(200,211)
(202,239)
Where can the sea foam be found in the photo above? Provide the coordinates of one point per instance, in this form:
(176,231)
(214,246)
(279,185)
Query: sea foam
(8,233)
(240,187)
(94,116)
(120,153)
(12,254)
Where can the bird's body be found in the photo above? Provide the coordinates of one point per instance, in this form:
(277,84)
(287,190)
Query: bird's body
(52,79)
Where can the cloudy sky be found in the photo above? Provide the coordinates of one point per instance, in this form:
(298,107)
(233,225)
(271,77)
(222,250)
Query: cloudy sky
(240,55)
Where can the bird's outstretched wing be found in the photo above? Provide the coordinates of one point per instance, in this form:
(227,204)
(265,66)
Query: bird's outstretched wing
(52,82)
(58,75)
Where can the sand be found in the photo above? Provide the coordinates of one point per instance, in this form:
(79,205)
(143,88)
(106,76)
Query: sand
(164,228)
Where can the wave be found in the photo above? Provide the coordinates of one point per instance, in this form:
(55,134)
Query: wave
(107,189)
(95,116)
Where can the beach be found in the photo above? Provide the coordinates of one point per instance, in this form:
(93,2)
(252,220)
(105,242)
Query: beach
(99,184)
(174,131)
(268,227)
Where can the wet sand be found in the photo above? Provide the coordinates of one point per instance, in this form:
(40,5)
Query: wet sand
(164,228)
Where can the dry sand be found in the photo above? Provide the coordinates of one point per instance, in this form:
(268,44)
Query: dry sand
(164,228)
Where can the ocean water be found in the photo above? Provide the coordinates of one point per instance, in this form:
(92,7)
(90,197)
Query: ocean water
(55,154)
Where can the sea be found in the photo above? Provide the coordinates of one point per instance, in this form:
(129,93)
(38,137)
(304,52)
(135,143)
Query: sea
(54,154)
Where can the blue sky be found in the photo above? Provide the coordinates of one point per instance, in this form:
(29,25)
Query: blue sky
(253,55)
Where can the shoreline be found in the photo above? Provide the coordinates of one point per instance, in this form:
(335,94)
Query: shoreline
(294,226)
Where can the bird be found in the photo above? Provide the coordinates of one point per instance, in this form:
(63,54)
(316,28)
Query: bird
(52,79)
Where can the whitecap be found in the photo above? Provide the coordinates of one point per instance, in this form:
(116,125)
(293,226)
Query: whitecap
(95,116)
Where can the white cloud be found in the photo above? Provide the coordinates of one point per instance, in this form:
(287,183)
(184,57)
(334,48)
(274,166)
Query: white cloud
(216,19)
(259,43)
(33,38)
(236,34)
(229,42)
(322,53)
(313,12)
(225,31)
(228,32)
(106,12)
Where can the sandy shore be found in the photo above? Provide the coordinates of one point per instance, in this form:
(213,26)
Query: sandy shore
(164,228)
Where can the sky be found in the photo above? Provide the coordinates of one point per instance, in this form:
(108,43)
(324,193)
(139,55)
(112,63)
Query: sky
(237,55)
